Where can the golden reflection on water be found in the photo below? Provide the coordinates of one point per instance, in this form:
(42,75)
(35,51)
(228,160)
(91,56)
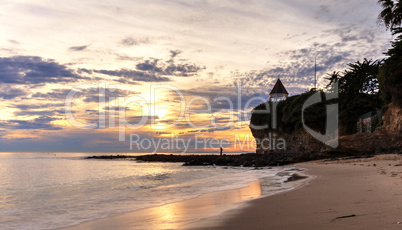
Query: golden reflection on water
(175,215)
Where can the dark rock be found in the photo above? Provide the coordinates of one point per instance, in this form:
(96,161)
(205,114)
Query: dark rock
(110,157)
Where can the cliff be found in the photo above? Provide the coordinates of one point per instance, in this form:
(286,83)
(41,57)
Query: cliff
(392,120)
(301,145)
(386,138)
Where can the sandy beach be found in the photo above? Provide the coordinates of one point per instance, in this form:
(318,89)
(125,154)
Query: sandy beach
(345,194)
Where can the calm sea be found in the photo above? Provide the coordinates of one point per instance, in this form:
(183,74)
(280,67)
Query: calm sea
(53,190)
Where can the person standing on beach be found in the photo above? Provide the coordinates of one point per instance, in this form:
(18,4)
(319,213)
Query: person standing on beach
(221,150)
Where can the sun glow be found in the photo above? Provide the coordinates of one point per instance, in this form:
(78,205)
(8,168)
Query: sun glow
(160,126)
(161,113)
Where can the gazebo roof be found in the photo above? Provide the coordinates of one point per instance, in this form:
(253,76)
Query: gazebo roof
(279,88)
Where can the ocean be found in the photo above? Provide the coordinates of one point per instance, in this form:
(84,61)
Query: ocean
(54,190)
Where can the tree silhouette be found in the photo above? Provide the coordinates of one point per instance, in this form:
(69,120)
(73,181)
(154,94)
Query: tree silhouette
(391,14)
(360,77)
(390,77)
(333,77)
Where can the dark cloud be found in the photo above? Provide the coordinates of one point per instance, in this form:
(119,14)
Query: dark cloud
(42,123)
(124,57)
(182,70)
(78,48)
(162,133)
(149,65)
(352,33)
(174,53)
(29,106)
(53,95)
(226,97)
(14,42)
(83,70)
(154,70)
(171,69)
(128,76)
(94,95)
(92,117)
(46,112)
(129,41)
(121,108)
(88,95)
(9,92)
(34,70)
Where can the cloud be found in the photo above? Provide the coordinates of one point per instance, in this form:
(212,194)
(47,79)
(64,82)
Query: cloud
(53,95)
(182,70)
(79,48)
(34,70)
(149,65)
(83,70)
(154,70)
(88,95)
(92,117)
(93,95)
(128,76)
(352,33)
(42,123)
(174,53)
(8,92)
(49,111)
(130,41)
(13,42)
(169,68)
(227,97)
(29,106)
(44,110)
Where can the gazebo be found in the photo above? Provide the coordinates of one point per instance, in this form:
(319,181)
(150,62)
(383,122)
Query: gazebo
(278,93)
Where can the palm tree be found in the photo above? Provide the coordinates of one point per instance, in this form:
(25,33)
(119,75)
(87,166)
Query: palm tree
(391,13)
(333,77)
(361,77)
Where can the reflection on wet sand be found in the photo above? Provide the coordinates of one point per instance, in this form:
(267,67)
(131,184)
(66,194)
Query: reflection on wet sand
(177,215)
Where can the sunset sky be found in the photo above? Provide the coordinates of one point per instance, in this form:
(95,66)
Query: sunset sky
(167,58)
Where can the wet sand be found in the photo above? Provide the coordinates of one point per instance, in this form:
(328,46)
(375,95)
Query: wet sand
(178,214)
(349,194)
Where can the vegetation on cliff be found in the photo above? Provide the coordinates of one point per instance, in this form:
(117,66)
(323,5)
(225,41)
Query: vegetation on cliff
(289,112)
(390,78)
(358,94)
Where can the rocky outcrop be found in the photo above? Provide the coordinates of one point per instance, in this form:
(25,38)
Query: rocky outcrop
(245,160)
(392,120)
(364,143)
(301,145)
(387,138)
(297,142)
